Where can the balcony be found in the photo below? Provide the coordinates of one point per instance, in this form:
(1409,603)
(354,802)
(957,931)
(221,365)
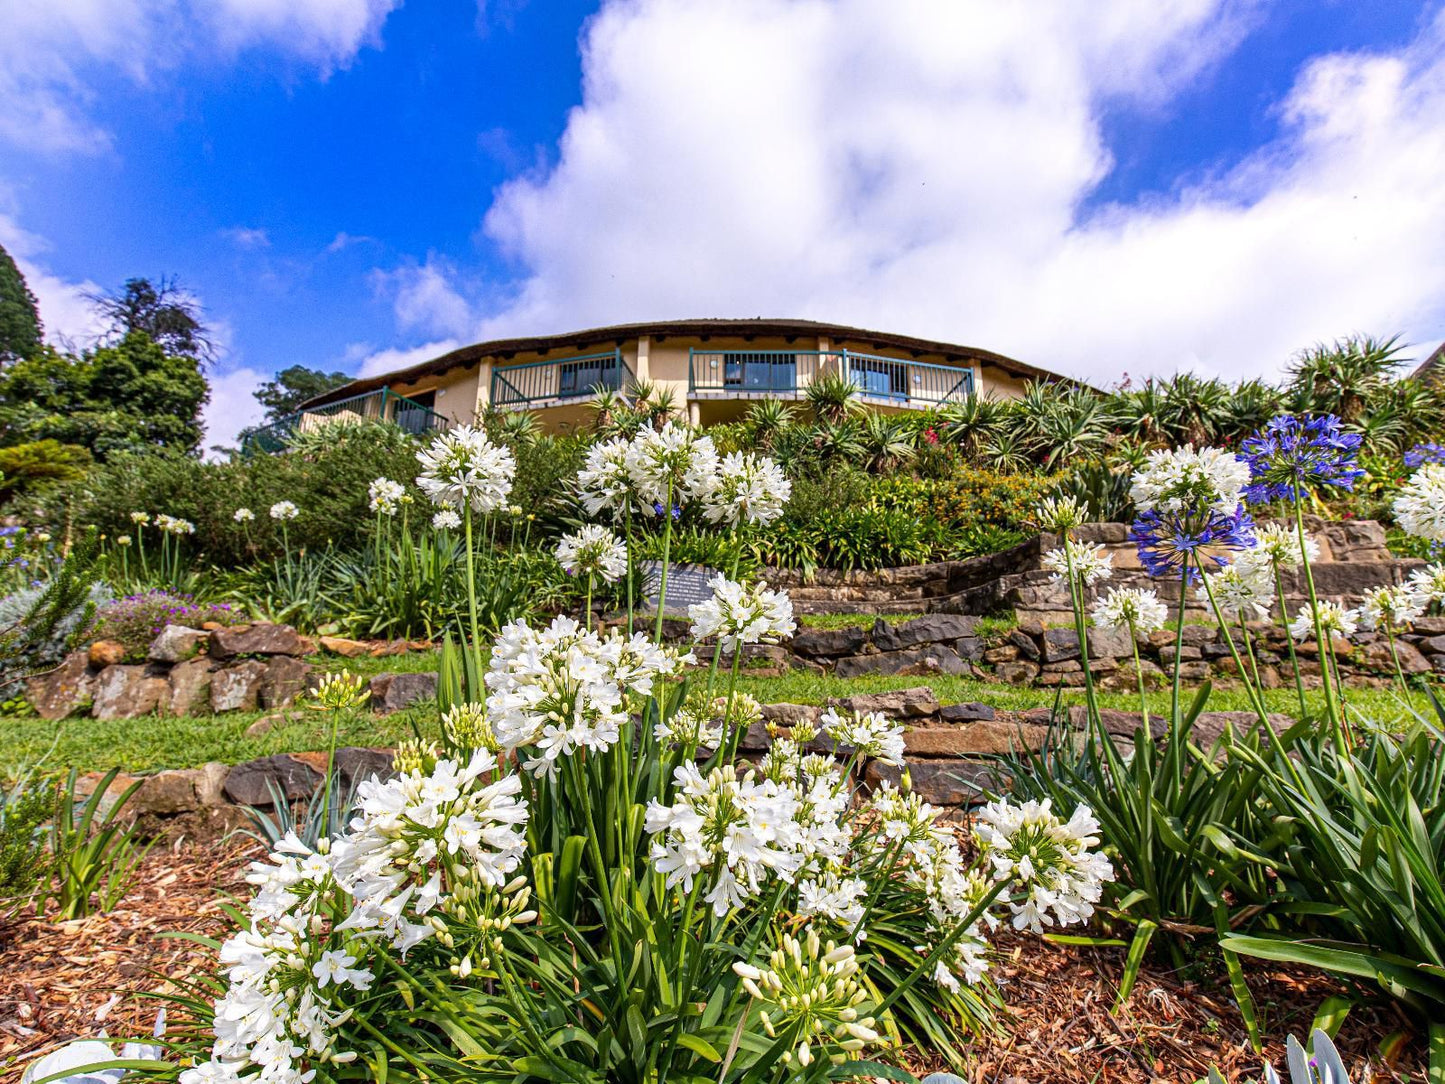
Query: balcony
(764,374)
(549,383)
(383,405)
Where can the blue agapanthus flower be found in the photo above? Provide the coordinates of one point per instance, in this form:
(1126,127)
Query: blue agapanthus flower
(676,510)
(1291,454)
(1429,452)
(1179,543)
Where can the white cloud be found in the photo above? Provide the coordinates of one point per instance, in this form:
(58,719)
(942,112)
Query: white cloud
(51,51)
(373,362)
(920,166)
(247,237)
(232,406)
(65,309)
(425,298)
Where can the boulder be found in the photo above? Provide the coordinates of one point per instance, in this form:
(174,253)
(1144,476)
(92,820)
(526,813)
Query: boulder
(168,792)
(285,679)
(1027,646)
(914,703)
(931,629)
(966,713)
(65,690)
(1004,653)
(106,653)
(1060,644)
(1411,661)
(1110,644)
(1017,673)
(264,725)
(189,688)
(238,687)
(973,739)
(356,764)
(941,782)
(260,639)
(791,714)
(969,648)
(126,692)
(829,642)
(176,643)
(340,645)
(246,784)
(392,692)
(941,658)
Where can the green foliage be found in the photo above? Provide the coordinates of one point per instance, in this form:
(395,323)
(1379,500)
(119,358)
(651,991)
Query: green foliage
(162,311)
(19,315)
(292,386)
(94,850)
(318,816)
(138,619)
(38,626)
(26,469)
(25,807)
(126,397)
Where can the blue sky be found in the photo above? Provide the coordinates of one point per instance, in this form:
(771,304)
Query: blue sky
(1101,188)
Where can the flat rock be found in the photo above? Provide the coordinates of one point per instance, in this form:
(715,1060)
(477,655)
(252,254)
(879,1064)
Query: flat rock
(829,642)
(356,763)
(1060,644)
(169,792)
(392,692)
(246,784)
(931,658)
(966,713)
(941,782)
(264,725)
(340,645)
(238,687)
(1021,672)
(188,688)
(64,691)
(285,679)
(176,643)
(913,703)
(791,714)
(973,739)
(127,692)
(106,653)
(930,629)
(262,639)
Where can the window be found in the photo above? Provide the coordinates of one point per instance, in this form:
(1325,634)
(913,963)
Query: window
(760,371)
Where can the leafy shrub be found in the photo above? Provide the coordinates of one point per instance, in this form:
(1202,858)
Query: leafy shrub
(136,620)
(96,853)
(30,645)
(25,807)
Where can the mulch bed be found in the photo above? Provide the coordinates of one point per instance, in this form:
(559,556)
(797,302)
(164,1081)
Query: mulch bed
(60,981)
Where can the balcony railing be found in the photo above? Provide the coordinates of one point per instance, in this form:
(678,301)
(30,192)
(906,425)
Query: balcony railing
(383,405)
(760,373)
(538,382)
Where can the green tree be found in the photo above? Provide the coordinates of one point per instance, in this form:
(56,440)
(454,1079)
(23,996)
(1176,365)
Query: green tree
(19,316)
(126,397)
(163,311)
(294,386)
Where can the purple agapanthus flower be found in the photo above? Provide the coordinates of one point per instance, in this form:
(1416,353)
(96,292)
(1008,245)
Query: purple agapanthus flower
(1429,452)
(1179,543)
(676,510)
(1291,454)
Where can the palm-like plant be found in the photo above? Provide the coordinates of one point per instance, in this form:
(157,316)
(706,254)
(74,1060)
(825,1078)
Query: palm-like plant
(1193,408)
(516,428)
(887,443)
(1342,377)
(973,422)
(838,441)
(1249,406)
(610,408)
(765,420)
(832,397)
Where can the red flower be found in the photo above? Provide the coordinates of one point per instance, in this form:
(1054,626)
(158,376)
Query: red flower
(930,436)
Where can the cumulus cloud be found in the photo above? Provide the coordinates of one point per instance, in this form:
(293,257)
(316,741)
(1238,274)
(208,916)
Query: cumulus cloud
(65,308)
(427,299)
(247,237)
(370,361)
(232,406)
(922,166)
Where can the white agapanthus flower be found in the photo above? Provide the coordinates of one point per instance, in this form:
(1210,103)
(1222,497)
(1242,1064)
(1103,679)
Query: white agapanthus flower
(172,525)
(743,489)
(1276,549)
(140,518)
(1174,479)
(1122,607)
(462,468)
(605,481)
(1335,620)
(384,496)
(1091,563)
(243,515)
(1420,507)
(871,733)
(671,462)
(562,689)
(593,550)
(1395,607)
(446,520)
(742,614)
(833,897)
(284,510)
(1241,593)
(1061,514)
(1049,857)
(1428,584)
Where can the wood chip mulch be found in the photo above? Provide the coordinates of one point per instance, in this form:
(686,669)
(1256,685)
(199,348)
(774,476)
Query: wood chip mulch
(60,981)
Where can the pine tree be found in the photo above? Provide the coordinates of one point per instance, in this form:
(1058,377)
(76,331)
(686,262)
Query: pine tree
(19,316)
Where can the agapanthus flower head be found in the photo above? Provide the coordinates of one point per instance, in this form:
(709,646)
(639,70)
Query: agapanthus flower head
(1292,455)
(1183,480)
(1086,562)
(140,518)
(284,510)
(1061,514)
(122,540)
(871,733)
(1429,452)
(812,993)
(593,550)
(741,489)
(1393,607)
(1428,585)
(1178,544)
(834,897)
(1420,506)
(448,519)
(175,526)
(1277,549)
(467,727)
(1242,593)
(605,481)
(671,463)
(384,496)
(740,613)
(1335,621)
(1049,857)
(463,468)
(243,515)
(1139,608)
(342,691)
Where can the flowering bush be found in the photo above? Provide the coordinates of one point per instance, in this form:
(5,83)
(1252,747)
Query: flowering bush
(136,620)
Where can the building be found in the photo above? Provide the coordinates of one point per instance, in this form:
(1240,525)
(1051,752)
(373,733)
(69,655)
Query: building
(713,369)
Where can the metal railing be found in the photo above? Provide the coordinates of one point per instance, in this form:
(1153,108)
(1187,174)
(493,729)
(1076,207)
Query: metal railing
(564,378)
(384,405)
(750,373)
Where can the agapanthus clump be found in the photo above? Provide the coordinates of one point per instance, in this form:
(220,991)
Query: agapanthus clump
(1085,562)
(1185,480)
(743,489)
(1420,454)
(740,614)
(593,551)
(1190,511)
(1241,592)
(835,897)
(462,468)
(384,496)
(1420,506)
(282,511)
(1051,858)
(1291,456)
(1334,620)
(870,734)
(1393,607)
(1136,608)
(813,997)
(671,465)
